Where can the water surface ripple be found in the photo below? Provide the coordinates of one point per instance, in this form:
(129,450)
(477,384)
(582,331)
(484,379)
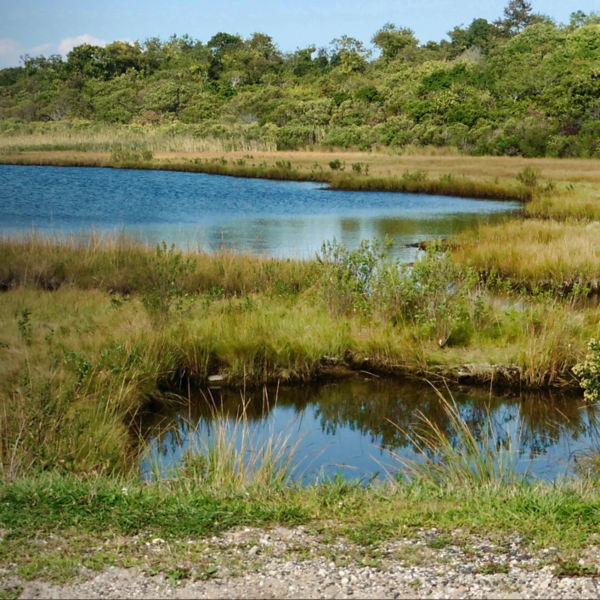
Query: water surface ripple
(208,212)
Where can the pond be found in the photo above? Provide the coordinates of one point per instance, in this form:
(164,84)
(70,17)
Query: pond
(363,427)
(357,427)
(210,212)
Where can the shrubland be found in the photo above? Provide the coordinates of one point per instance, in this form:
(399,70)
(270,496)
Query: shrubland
(520,86)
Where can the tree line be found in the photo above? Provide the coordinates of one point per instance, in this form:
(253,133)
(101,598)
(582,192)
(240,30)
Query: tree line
(521,85)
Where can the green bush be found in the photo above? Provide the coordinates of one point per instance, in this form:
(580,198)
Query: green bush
(588,372)
(164,286)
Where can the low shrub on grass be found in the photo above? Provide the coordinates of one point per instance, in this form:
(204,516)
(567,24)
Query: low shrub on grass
(588,372)
(433,294)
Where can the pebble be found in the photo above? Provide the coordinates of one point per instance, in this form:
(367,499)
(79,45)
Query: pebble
(284,572)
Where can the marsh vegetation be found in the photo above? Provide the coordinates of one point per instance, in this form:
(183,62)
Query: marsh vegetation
(95,331)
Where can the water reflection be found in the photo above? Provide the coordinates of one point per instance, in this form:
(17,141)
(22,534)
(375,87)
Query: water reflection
(350,426)
(209,212)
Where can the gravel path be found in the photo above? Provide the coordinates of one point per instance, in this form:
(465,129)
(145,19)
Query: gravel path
(293,563)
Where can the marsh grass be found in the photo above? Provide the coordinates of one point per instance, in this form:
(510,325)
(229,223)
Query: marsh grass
(229,456)
(121,265)
(84,136)
(178,149)
(537,255)
(574,202)
(460,457)
(418,182)
(84,349)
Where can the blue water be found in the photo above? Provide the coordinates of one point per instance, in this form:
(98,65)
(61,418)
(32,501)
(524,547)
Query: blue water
(209,212)
(363,427)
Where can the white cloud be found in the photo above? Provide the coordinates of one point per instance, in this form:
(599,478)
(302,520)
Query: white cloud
(8,46)
(10,51)
(41,49)
(65,46)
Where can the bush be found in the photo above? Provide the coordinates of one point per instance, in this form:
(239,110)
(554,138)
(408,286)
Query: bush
(588,372)
(165,270)
(433,294)
(350,277)
(529,177)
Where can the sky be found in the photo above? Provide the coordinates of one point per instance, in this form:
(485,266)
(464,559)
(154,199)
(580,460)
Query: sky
(37,27)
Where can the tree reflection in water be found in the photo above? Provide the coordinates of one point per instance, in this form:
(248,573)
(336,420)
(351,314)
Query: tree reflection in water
(357,415)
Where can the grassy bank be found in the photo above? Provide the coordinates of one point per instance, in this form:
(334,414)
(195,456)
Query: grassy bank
(95,332)
(420,170)
(51,523)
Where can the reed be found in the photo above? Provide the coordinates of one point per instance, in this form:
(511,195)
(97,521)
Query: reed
(229,457)
(119,264)
(88,137)
(418,182)
(459,458)
(536,254)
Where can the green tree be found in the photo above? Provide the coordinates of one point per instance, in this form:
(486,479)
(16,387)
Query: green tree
(351,54)
(518,14)
(221,44)
(392,41)
(480,33)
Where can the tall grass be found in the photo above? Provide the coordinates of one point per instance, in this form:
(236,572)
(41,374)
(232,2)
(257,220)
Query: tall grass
(83,136)
(535,254)
(229,457)
(445,185)
(577,202)
(119,264)
(458,458)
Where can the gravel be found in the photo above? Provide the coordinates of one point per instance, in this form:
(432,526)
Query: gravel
(297,563)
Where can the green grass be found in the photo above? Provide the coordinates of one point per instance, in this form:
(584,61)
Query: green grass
(78,363)
(74,514)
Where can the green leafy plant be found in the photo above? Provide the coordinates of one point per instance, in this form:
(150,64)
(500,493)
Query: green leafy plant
(165,272)
(588,372)
(350,276)
(24,326)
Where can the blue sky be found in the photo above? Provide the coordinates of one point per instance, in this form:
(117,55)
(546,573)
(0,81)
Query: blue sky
(53,27)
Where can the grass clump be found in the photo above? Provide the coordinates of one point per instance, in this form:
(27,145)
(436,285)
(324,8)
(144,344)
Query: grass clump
(460,457)
(538,256)
(231,460)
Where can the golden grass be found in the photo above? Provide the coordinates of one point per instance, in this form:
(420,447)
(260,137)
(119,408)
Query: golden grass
(580,202)
(380,164)
(535,253)
(119,264)
(94,146)
(103,139)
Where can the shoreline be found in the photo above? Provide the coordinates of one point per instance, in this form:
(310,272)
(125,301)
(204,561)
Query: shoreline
(417,182)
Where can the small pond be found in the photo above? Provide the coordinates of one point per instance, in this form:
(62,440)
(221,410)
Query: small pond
(358,427)
(210,212)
